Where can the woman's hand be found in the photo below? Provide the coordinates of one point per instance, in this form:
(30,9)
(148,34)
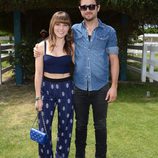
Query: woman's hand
(39,105)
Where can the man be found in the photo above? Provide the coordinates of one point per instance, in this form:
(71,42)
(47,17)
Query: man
(44,35)
(95,48)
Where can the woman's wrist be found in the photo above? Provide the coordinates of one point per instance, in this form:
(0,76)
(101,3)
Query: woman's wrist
(38,98)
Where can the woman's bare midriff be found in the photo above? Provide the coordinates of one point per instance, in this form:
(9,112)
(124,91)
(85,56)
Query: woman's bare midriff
(56,76)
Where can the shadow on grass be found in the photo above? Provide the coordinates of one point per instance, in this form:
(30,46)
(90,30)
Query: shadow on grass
(137,92)
(11,94)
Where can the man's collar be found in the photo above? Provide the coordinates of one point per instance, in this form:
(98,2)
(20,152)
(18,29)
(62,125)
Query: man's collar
(100,24)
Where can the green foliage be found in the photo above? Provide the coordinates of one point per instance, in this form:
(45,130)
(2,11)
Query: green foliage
(142,10)
(23,56)
(4,33)
(151,30)
(23,5)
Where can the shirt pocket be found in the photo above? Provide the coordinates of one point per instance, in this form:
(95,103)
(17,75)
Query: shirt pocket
(78,38)
(101,42)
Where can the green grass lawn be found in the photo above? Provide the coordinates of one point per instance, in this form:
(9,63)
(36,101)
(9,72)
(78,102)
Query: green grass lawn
(132,122)
(5,64)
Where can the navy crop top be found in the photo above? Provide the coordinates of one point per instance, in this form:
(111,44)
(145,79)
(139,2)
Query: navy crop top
(53,64)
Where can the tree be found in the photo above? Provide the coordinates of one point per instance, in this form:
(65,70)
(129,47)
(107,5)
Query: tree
(142,10)
(127,15)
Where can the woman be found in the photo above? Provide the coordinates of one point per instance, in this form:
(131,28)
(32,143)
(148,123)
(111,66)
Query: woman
(53,84)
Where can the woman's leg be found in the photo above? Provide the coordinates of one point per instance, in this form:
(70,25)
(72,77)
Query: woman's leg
(65,118)
(45,151)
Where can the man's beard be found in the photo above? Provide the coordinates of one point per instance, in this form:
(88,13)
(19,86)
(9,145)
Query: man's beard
(89,19)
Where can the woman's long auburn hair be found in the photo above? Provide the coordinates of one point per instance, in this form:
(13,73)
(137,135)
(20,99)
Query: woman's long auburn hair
(61,17)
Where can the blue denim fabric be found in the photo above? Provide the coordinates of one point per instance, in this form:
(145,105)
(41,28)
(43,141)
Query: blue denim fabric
(91,56)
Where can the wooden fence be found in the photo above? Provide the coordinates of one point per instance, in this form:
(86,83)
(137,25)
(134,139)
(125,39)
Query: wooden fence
(145,55)
(4,57)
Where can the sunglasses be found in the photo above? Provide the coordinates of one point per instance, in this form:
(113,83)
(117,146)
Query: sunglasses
(90,7)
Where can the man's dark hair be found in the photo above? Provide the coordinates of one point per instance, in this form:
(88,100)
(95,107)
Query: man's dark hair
(97,2)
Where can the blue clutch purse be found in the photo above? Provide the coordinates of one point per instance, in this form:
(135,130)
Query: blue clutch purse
(37,135)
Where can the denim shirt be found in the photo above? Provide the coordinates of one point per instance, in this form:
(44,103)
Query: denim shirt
(91,56)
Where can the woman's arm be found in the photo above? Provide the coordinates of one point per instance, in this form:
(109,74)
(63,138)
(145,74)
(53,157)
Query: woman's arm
(38,77)
(73,53)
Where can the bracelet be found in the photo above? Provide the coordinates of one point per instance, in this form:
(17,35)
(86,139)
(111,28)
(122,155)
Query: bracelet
(37,98)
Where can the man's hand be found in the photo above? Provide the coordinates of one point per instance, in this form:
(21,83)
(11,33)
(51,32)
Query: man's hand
(111,95)
(36,52)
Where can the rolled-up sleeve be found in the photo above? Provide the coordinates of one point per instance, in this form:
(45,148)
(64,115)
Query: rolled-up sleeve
(112,47)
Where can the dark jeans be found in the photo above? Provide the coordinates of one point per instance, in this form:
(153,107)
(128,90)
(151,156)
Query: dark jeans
(83,100)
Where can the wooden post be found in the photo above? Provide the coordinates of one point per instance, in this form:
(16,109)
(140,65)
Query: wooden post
(144,63)
(151,67)
(17,38)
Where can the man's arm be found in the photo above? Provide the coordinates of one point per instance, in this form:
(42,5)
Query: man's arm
(114,65)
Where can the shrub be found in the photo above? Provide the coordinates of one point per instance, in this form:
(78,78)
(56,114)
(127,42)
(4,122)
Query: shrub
(23,56)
